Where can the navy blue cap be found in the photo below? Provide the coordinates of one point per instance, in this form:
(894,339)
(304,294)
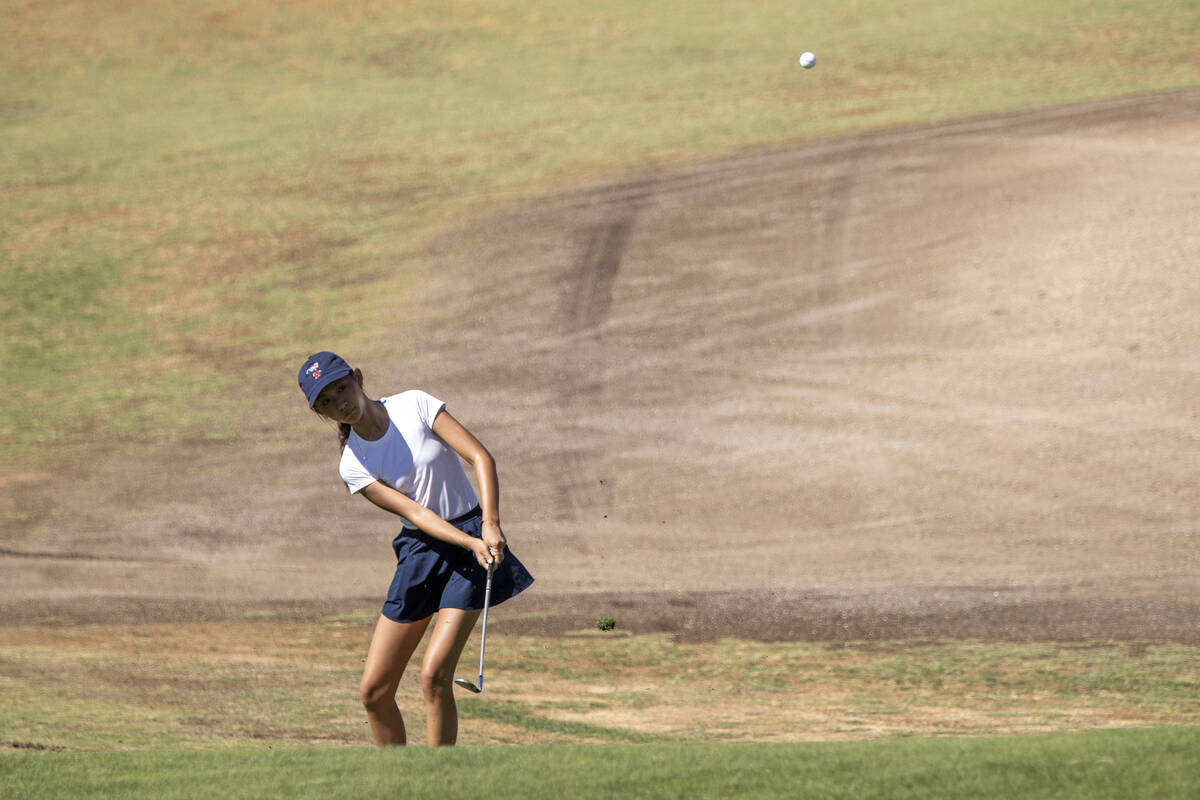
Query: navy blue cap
(320,370)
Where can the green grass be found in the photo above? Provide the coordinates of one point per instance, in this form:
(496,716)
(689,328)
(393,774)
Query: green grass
(1157,763)
(193,190)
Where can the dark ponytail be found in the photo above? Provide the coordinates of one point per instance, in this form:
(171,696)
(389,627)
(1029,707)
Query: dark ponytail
(345,427)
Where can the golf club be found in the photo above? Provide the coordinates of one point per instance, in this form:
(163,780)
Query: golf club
(487,599)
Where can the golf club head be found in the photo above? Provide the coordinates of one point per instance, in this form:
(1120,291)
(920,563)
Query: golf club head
(466,684)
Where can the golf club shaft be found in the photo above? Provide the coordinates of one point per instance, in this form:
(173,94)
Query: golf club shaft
(487,601)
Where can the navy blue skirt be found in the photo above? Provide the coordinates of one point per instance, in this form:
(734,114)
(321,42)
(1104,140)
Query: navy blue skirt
(432,574)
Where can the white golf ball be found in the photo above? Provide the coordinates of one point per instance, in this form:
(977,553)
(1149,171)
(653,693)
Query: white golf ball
(807,60)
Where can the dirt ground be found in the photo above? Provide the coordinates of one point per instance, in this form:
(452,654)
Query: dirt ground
(934,382)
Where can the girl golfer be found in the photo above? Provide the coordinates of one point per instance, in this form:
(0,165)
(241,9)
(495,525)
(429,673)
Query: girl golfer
(402,453)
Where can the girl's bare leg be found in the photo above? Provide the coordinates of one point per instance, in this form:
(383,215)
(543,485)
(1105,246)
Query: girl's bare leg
(446,644)
(392,646)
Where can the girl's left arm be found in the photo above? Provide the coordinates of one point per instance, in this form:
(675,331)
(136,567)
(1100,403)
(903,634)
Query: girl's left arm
(471,450)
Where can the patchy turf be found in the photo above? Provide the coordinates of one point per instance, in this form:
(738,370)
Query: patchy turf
(257,682)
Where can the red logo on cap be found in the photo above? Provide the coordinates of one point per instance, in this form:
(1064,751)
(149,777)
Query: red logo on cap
(314,370)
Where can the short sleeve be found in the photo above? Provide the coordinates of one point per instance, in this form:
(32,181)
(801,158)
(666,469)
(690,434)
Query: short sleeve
(356,476)
(427,407)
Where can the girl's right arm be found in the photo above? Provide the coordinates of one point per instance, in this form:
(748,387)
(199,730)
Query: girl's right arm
(428,521)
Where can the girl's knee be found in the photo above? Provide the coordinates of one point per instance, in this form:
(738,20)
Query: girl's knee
(436,681)
(375,693)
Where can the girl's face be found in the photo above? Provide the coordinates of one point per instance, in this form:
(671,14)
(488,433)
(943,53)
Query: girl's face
(342,401)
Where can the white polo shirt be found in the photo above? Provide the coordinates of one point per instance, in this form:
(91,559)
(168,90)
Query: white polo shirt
(410,458)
